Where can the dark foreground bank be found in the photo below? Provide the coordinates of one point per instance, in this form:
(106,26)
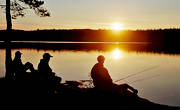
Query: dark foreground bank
(29,91)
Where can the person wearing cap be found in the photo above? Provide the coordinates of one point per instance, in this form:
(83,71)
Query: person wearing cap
(19,69)
(46,74)
(103,82)
(43,68)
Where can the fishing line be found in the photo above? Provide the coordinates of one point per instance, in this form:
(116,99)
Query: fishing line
(147,69)
(147,78)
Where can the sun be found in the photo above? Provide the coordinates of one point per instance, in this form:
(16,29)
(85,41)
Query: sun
(117,26)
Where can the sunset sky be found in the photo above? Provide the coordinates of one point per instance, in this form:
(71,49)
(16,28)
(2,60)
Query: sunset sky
(101,14)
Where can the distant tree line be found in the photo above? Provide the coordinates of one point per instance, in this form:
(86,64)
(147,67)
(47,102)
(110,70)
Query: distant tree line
(166,36)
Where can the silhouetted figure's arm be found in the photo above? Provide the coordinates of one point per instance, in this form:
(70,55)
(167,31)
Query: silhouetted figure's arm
(107,76)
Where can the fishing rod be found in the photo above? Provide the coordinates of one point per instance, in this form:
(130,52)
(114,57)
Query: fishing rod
(147,69)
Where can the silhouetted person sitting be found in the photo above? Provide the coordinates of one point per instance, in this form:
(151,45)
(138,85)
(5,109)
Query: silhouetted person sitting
(45,70)
(19,69)
(103,82)
(50,82)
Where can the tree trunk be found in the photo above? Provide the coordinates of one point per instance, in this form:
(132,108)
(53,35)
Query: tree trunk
(8,15)
(8,61)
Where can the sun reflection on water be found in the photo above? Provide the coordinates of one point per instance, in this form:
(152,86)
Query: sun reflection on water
(117,54)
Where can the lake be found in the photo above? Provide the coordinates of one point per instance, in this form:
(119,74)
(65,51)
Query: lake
(155,74)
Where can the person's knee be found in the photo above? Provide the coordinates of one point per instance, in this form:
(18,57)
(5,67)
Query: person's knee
(31,67)
(125,85)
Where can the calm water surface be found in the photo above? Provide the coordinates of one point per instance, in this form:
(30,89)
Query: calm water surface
(160,83)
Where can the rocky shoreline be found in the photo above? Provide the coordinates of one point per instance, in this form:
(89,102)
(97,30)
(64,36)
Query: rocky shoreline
(70,93)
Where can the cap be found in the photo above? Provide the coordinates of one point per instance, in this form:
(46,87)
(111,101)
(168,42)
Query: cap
(18,53)
(47,55)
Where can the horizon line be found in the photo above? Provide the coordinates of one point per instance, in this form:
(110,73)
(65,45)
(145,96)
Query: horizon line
(174,28)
